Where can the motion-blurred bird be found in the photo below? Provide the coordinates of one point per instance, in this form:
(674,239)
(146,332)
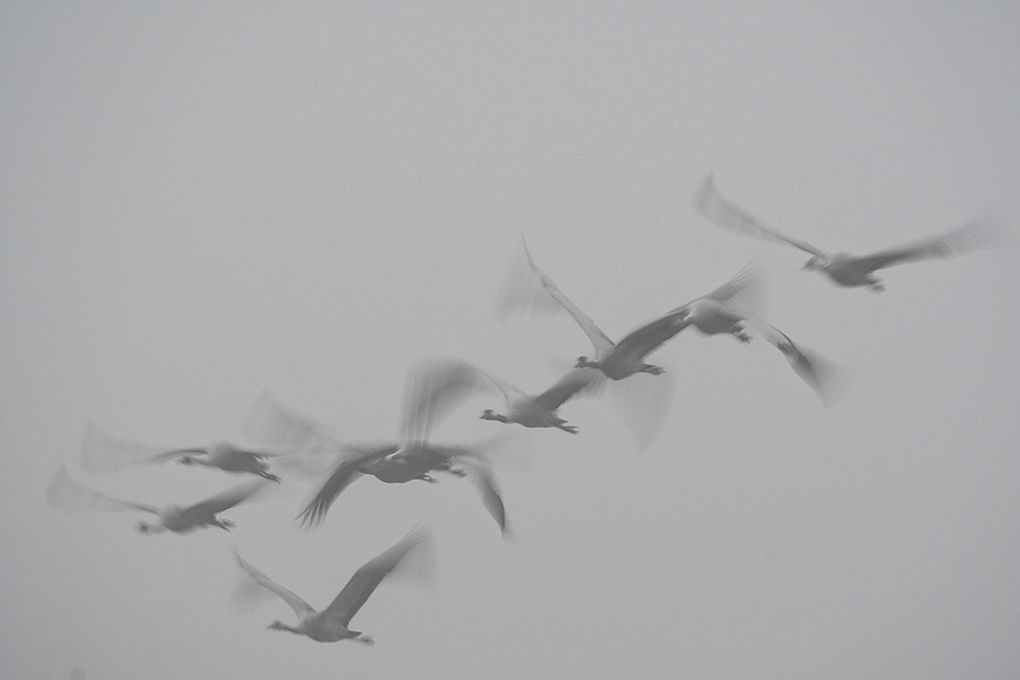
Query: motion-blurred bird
(65,494)
(721,312)
(103,453)
(434,388)
(539,410)
(843,268)
(616,360)
(331,624)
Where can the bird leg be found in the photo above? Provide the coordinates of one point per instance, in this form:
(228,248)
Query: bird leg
(224,524)
(457,471)
(876,285)
(364,639)
(740,334)
(567,428)
(654,370)
(428,478)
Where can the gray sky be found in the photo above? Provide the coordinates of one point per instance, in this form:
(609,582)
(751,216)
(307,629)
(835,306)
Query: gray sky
(202,201)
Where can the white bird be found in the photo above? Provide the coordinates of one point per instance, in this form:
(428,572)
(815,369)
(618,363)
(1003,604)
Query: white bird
(65,494)
(539,410)
(843,268)
(331,624)
(616,360)
(721,312)
(103,453)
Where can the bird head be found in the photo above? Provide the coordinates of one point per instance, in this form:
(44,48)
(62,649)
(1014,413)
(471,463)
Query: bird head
(489,415)
(187,460)
(585,362)
(145,528)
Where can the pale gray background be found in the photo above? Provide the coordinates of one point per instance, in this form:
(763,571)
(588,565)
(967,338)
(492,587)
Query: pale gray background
(199,201)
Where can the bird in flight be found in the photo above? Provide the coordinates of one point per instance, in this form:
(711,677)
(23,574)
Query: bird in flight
(65,494)
(103,453)
(842,268)
(331,624)
(616,360)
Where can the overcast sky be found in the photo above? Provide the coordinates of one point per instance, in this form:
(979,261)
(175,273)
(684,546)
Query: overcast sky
(202,201)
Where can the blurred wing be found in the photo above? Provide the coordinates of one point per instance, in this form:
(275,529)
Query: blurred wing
(369,576)
(725,214)
(491,499)
(739,291)
(433,390)
(64,494)
(815,371)
(962,240)
(340,479)
(247,590)
(508,389)
(227,499)
(273,427)
(520,292)
(642,403)
(599,340)
(574,381)
(651,336)
(103,453)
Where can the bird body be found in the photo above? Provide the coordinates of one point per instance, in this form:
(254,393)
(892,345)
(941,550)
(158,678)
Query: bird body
(540,410)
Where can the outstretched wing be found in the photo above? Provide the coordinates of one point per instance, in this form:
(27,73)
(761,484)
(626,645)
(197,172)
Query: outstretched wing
(244,594)
(651,336)
(491,499)
(813,370)
(743,293)
(599,340)
(433,390)
(102,453)
(226,499)
(273,427)
(573,381)
(961,240)
(340,479)
(725,214)
(369,576)
(63,493)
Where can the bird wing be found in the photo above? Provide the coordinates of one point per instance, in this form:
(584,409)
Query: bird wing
(491,499)
(599,340)
(651,336)
(961,240)
(63,493)
(433,390)
(225,499)
(813,370)
(573,381)
(743,293)
(271,426)
(369,576)
(725,214)
(340,479)
(258,578)
(509,390)
(102,453)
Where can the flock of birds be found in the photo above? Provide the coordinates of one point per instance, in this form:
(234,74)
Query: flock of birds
(435,388)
